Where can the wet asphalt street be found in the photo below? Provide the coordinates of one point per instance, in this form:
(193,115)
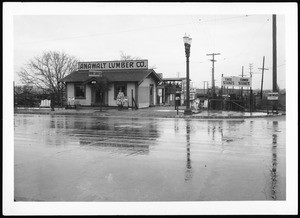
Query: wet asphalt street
(82,158)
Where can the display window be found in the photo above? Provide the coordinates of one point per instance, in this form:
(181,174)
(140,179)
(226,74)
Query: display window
(79,91)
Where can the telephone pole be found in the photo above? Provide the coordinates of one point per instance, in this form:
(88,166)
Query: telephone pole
(242,76)
(250,69)
(274,55)
(213,72)
(262,77)
(204,85)
(274,62)
(242,72)
(251,92)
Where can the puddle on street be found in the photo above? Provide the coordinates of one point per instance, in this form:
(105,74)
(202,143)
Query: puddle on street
(148,159)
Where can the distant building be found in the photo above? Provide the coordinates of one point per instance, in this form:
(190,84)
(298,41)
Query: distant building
(170,87)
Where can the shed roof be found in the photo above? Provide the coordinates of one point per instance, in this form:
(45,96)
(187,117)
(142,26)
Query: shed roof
(113,75)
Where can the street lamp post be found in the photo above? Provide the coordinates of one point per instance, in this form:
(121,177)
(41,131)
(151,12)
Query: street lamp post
(187,44)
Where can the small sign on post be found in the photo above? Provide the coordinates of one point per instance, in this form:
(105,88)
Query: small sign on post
(272,96)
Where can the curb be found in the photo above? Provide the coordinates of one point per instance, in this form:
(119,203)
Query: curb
(97,114)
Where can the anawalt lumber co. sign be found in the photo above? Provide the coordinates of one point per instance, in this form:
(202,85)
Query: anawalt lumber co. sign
(113,65)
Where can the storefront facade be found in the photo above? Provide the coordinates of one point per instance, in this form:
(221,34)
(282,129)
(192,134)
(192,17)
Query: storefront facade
(99,83)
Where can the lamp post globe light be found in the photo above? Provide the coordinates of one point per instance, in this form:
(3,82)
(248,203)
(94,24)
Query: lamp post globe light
(187,44)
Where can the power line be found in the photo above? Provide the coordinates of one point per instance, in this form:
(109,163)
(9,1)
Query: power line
(244,50)
(131,30)
(111,33)
(222,19)
(278,66)
(268,68)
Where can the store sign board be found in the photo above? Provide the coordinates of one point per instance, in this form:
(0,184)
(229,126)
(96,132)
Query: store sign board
(95,73)
(237,81)
(113,65)
(272,96)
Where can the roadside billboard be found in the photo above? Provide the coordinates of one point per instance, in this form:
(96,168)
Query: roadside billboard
(236,81)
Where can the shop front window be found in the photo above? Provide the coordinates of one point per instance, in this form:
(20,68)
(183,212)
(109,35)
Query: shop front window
(79,91)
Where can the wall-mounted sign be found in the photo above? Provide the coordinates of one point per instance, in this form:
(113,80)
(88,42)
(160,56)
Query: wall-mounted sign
(95,73)
(113,65)
(237,81)
(273,96)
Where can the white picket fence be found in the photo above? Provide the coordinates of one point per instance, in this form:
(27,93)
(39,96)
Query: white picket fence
(45,103)
(71,101)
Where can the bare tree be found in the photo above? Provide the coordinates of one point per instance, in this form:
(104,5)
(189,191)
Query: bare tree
(126,57)
(47,70)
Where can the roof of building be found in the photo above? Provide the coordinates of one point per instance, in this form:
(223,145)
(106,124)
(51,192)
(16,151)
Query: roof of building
(114,76)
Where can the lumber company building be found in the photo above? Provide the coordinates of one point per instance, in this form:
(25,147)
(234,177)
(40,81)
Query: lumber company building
(132,77)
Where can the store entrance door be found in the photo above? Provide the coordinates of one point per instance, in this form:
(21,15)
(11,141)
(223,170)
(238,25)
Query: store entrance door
(99,98)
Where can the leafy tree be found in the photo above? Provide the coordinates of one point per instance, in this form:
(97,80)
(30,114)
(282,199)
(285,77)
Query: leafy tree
(47,70)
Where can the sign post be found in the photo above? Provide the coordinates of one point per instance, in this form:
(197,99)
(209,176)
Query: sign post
(273,96)
(235,81)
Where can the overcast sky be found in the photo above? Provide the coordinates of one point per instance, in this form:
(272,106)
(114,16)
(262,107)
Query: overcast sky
(155,33)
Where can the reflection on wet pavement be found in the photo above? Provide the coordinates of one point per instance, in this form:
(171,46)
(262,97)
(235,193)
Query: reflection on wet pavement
(80,158)
(274,163)
(188,172)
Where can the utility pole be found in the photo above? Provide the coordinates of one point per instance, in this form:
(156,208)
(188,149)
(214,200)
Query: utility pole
(251,92)
(250,69)
(222,86)
(213,72)
(204,85)
(274,55)
(274,61)
(242,76)
(262,77)
(207,85)
(242,71)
